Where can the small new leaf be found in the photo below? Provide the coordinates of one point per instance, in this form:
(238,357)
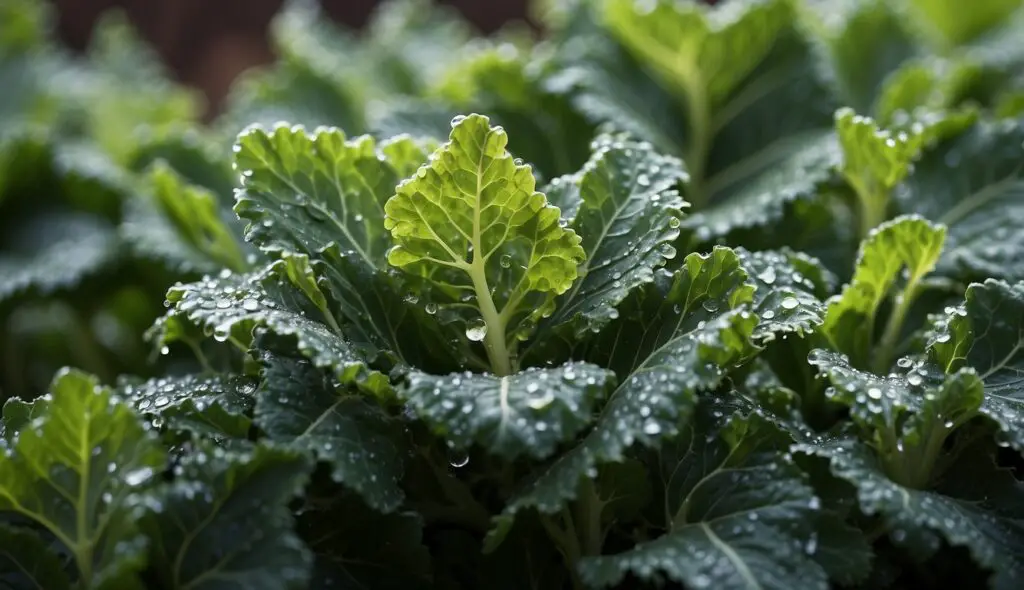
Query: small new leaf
(906,242)
(471,220)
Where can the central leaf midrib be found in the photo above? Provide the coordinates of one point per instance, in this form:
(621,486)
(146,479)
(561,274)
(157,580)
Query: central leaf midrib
(732,556)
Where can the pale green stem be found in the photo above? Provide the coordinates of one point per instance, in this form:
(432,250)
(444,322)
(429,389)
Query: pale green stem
(494,337)
(588,514)
(893,327)
(699,119)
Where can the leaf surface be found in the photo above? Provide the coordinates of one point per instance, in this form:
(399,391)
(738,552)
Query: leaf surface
(217,405)
(232,306)
(27,562)
(739,514)
(225,522)
(471,220)
(986,332)
(529,413)
(973,184)
(908,242)
(73,470)
(672,338)
(300,407)
(628,217)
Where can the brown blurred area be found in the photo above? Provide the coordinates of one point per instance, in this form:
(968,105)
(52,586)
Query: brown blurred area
(207,43)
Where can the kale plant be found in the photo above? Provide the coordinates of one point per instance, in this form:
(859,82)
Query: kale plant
(672,296)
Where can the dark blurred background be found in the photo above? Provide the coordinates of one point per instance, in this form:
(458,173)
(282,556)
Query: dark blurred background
(206,43)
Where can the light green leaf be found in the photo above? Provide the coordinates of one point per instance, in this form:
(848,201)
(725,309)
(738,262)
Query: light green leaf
(930,84)
(973,184)
(628,217)
(472,222)
(27,562)
(72,471)
(738,514)
(673,337)
(947,26)
(975,505)
(225,522)
(230,308)
(302,192)
(874,161)
(906,416)
(299,406)
(528,413)
(908,242)
(987,333)
(53,252)
(860,43)
(607,85)
(128,87)
(217,405)
(195,215)
(702,53)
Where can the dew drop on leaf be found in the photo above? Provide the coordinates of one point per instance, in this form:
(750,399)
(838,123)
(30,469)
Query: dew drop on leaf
(477,332)
(458,458)
(430,308)
(790,303)
(505,261)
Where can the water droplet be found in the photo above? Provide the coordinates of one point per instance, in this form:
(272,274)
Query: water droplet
(458,119)
(477,332)
(790,303)
(430,308)
(767,276)
(505,261)
(250,305)
(710,305)
(458,459)
(875,393)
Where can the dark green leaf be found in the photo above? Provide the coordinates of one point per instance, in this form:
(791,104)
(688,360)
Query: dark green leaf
(73,471)
(987,333)
(224,523)
(299,406)
(26,562)
(528,413)
(972,184)
(672,338)
(628,217)
(54,252)
(739,515)
(217,405)
(231,306)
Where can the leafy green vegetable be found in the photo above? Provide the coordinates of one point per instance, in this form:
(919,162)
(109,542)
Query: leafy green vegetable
(655,294)
(472,219)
